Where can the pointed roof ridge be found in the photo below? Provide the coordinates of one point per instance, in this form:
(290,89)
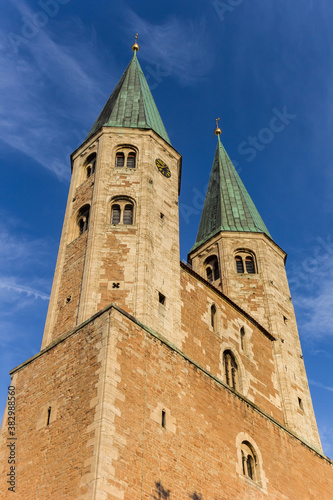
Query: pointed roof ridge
(131,104)
(228,206)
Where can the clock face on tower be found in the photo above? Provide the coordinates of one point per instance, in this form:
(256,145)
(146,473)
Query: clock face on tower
(163,167)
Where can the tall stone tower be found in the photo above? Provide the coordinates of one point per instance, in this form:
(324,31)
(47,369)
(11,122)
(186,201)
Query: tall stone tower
(159,380)
(121,222)
(235,251)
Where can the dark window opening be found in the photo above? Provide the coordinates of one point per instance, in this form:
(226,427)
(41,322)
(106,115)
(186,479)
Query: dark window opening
(161,215)
(120,159)
(83,219)
(115,285)
(300,404)
(115,214)
(48,415)
(216,270)
(128,215)
(68,299)
(131,160)
(239,265)
(249,263)
(242,337)
(161,298)
(231,370)
(212,268)
(249,462)
(212,316)
(250,467)
(90,164)
(163,418)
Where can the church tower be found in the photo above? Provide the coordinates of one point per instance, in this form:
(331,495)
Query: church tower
(159,379)
(236,253)
(120,239)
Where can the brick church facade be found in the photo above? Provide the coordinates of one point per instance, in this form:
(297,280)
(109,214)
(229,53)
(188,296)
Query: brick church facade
(158,379)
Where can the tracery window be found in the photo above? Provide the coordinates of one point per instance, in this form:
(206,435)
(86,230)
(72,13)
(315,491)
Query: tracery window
(249,462)
(122,212)
(212,268)
(82,219)
(126,157)
(248,258)
(230,370)
(90,164)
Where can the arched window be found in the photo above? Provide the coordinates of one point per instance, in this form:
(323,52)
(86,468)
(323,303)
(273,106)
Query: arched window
(230,370)
(122,212)
(120,159)
(212,268)
(83,219)
(244,256)
(239,265)
(126,156)
(115,214)
(249,462)
(90,164)
(242,337)
(128,214)
(131,160)
(213,316)
(249,264)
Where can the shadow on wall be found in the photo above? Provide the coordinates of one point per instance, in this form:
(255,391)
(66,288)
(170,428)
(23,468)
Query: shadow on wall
(163,494)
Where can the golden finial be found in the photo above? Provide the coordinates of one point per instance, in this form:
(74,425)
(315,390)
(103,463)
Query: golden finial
(135,46)
(217,128)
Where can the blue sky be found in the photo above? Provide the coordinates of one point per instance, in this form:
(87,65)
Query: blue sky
(243,61)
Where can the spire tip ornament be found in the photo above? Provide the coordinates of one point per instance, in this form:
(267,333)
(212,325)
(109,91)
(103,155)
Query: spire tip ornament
(218,131)
(135,46)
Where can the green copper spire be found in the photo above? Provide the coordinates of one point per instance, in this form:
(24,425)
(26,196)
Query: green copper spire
(131,104)
(228,206)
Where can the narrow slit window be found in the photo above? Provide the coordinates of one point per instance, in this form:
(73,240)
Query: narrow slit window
(128,215)
(131,160)
(120,159)
(48,415)
(161,298)
(209,273)
(115,215)
(242,337)
(239,265)
(163,418)
(213,316)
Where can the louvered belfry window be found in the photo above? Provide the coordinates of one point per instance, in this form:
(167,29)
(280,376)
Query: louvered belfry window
(120,159)
(239,265)
(249,265)
(131,160)
(128,215)
(115,215)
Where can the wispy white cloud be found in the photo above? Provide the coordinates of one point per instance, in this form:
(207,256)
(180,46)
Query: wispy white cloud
(42,88)
(10,285)
(320,385)
(178,47)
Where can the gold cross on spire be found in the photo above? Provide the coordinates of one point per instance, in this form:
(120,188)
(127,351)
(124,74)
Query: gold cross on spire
(217,128)
(135,46)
